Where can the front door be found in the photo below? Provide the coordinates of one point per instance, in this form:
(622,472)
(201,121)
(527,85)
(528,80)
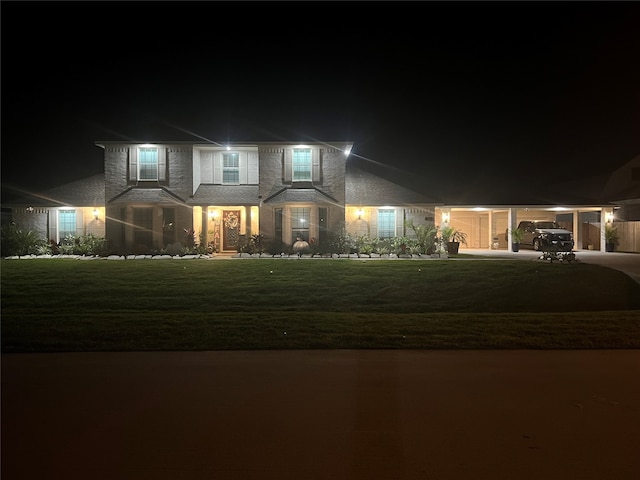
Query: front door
(231,229)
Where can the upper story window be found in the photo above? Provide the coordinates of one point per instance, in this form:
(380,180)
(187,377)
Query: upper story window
(301,164)
(148,163)
(66,223)
(231,168)
(386,223)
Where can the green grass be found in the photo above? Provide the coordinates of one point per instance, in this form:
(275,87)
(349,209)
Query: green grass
(66,305)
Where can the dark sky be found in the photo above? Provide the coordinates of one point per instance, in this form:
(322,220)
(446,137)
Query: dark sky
(457,92)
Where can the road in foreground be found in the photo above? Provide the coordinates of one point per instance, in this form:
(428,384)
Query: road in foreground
(334,414)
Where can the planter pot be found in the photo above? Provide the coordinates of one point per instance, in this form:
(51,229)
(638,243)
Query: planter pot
(453,247)
(515,247)
(609,247)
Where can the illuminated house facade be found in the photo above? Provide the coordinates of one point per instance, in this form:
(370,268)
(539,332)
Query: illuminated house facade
(153,196)
(157,193)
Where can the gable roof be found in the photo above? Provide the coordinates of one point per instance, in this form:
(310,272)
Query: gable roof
(300,195)
(147,195)
(86,192)
(366,188)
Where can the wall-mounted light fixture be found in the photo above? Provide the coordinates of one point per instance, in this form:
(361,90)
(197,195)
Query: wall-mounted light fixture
(213,214)
(29,209)
(359,213)
(95,213)
(609,217)
(446,216)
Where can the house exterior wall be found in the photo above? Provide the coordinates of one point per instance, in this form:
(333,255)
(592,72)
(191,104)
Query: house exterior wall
(127,197)
(327,187)
(44,221)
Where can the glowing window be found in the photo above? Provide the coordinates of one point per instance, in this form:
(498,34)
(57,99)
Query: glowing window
(148,163)
(301,164)
(66,223)
(386,223)
(300,223)
(231,168)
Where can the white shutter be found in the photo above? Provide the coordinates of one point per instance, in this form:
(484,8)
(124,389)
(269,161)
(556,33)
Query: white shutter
(288,160)
(79,222)
(252,168)
(53,225)
(217,168)
(315,165)
(133,164)
(242,167)
(162,164)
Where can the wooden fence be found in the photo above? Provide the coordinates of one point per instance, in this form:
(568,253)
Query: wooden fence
(628,237)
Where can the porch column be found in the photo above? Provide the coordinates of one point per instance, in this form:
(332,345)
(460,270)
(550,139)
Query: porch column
(512,219)
(606,216)
(577,234)
(445,217)
(490,232)
(247,221)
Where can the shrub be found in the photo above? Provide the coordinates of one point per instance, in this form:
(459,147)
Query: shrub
(16,241)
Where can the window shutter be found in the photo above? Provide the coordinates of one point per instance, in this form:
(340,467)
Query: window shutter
(79,222)
(315,165)
(242,166)
(53,225)
(162,164)
(217,168)
(133,164)
(288,159)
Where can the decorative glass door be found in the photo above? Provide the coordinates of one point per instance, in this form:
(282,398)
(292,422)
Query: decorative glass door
(231,229)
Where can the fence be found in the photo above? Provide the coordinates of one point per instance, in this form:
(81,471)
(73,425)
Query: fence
(628,237)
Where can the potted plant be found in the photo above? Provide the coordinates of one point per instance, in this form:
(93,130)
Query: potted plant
(452,238)
(517,234)
(610,237)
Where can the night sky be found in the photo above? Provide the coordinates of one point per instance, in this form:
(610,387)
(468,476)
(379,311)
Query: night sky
(456,93)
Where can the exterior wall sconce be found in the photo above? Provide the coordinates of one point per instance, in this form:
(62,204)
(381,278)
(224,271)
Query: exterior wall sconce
(213,214)
(609,217)
(29,209)
(360,213)
(95,214)
(446,216)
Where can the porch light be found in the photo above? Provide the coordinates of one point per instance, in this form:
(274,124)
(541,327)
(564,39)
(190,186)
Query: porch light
(95,213)
(359,212)
(446,216)
(213,214)
(609,217)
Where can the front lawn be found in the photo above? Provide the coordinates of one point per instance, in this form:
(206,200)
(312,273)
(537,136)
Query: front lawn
(101,305)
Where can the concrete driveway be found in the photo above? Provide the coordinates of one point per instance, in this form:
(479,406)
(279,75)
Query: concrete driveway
(628,263)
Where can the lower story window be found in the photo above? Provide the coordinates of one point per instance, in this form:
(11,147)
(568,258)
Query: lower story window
(300,218)
(386,223)
(66,223)
(143,227)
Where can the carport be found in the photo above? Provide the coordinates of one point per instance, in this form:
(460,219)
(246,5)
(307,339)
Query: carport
(488,226)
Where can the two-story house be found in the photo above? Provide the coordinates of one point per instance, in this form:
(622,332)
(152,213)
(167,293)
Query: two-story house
(155,194)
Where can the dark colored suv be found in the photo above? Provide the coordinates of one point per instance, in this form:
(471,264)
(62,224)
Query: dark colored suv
(545,234)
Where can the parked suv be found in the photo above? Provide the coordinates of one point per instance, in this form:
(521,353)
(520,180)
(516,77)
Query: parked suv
(545,234)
